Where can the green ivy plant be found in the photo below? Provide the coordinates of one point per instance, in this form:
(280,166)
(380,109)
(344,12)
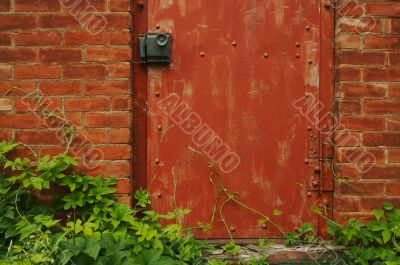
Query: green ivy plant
(376,242)
(83,224)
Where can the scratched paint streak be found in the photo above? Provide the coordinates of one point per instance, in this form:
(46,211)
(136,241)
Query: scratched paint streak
(279,12)
(182,7)
(166,3)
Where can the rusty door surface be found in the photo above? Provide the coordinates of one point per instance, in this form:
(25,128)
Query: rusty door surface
(224,136)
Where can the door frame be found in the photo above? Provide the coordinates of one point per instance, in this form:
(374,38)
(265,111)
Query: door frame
(326,99)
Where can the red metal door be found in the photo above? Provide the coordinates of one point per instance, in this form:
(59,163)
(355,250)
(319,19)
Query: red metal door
(228,98)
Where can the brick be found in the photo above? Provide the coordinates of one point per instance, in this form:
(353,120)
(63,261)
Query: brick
(5,39)
(5,72)
(382,42)
(381,139)
(5,135)
(119,5)
(122,103)
(116,152)
(108,54)
(382,106)
(57,21)
(392,189)
(18,55)
(395,25)
(93,136)
(37,38)
(382,74)
(393,124)
(357,25)
(349,139)
(363,123)
(382,172)
(394,58)
(81,38)
(348,74)
(5,5)
(348,204)
(345,41)
(19,121)
(118,169)
(349,107)
(361,58)
(108,88)
(61,88)
(17,88)
(36,72)
(119,38)
(12,22)
(356,156)
(119,21)
(349,8)
(90,71)
(6,104)
(124,186)
(109,120)
(60,55)
(119,70)
(37,5)
(370,204)
(394,156)
(86,104)
(85,6)
(394,91)
(40,104)
(382,9)
(38,137)
(120,136)
(363,189)
(127,200)
(362,90)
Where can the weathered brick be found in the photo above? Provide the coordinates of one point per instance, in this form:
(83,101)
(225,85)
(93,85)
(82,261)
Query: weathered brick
(350,107)
(394,156)
(6,104)
(5,5)
(12,22)
(119,38)
(119,5)
(37,5)
(108,88)
(87,104)
(121,103)
(60,55)
(382,42)
(361,58)
(36,72)
(57,21)
(120,136)
(109,120)
(363,123)
(381,139)
(38,137)
(348,74)
(19,121)
(346,41)
(124,186)
(37,38)
(393,124)
(108,54)
(81,38)
(5,39)
(18,55)
(387,74)
(49,88)
(393,189)
(118,70)
(382,9)
(363,189)
(382,106)
(89,71)
(5,72)
(362,90)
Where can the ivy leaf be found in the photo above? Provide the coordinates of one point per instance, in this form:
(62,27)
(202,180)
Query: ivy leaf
(386,234)
(378,214)
(388,206)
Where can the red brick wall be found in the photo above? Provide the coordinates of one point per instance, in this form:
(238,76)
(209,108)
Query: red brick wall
(368,97)
(86,78)
(80,65)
